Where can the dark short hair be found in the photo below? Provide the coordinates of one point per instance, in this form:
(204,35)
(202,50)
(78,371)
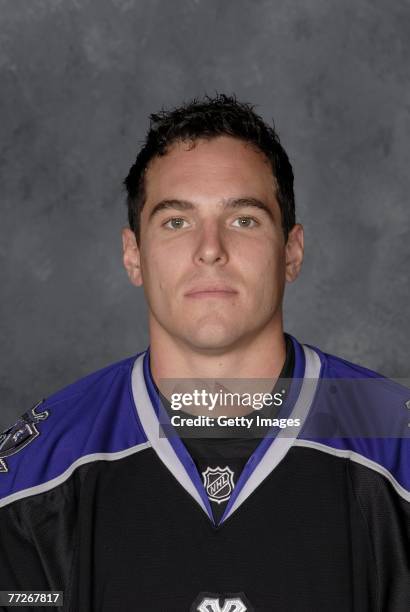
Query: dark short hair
(209,118)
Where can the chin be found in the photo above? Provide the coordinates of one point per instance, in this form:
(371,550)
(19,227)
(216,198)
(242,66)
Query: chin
(211,339)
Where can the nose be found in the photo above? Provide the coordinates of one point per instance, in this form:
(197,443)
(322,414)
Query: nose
(211,248)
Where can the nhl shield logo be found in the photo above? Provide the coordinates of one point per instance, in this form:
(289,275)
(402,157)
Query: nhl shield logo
(218,483)
(24,431)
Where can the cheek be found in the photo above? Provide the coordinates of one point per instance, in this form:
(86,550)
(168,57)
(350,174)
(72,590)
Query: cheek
(161,269)
(267,272)
(264,261)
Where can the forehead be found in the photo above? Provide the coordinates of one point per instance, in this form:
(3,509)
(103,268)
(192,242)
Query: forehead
(223,166)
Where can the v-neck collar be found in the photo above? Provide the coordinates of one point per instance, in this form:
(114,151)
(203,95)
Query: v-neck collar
(271,450)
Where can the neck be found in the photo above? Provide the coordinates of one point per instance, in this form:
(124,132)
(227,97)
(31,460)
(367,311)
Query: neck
(261,356)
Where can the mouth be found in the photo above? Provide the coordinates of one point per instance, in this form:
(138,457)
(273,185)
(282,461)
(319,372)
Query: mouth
(211,292)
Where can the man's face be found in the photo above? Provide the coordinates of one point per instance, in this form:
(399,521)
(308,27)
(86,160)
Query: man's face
(213,265)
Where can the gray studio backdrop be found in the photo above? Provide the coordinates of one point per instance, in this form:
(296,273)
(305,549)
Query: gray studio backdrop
(78,80)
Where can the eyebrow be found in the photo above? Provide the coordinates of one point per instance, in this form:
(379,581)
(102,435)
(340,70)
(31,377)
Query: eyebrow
(229,203)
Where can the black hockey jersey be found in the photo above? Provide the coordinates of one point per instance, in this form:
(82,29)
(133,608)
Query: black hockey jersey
(97,502)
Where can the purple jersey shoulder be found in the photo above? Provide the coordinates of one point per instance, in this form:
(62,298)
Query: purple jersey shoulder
(363,416)
(90,419)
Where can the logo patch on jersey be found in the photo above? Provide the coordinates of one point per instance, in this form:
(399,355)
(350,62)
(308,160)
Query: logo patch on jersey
(212,602)
(218,483)
(24,431)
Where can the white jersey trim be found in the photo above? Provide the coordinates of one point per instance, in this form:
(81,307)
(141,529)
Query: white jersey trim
(283,442)
(54,482)
(152,429)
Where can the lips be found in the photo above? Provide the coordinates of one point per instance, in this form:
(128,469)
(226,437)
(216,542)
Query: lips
(211,291)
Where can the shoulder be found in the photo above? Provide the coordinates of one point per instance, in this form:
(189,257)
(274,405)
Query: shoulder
(362,416)
(345,375)
(93,418)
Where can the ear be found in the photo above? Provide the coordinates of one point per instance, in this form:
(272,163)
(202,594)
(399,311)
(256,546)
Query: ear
(131,257)
(294,252)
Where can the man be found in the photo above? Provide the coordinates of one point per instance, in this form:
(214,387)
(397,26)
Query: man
(112,492)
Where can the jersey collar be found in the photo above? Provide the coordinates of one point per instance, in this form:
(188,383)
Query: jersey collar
(268,454)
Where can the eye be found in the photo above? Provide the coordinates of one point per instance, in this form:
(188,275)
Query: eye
(176,223)
(246,222)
